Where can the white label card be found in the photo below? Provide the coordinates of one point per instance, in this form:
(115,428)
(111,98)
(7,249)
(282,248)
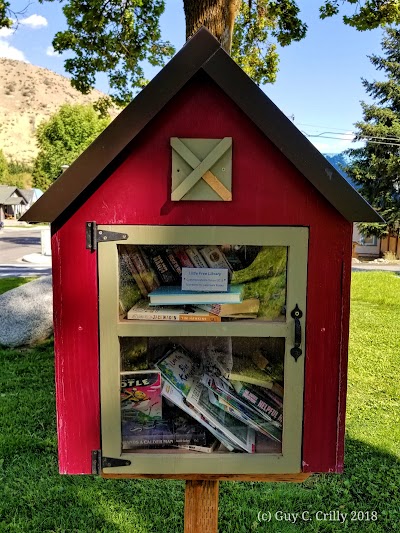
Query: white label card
(205,279)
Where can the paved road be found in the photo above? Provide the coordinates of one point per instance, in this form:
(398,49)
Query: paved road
(16,243)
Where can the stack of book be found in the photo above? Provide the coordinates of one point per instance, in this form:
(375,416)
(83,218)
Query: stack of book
(211,408)
(157,272)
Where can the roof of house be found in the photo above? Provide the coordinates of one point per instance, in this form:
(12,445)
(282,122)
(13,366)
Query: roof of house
(5,192)
(27,194)
(201,52)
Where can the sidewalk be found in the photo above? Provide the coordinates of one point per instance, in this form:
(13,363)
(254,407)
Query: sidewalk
(37,259)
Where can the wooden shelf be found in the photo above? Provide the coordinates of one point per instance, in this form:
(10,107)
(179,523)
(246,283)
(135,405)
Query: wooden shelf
(240,328)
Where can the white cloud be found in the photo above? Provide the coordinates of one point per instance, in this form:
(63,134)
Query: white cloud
(34,21)
(10,52)
(6,32)
(322,147)
(51,52)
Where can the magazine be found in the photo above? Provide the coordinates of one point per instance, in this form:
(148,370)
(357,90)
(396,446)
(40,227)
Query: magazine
(234,405)
(251,419)
(235,430)
(141,393)
(173,395)
(261,399)
(179,369)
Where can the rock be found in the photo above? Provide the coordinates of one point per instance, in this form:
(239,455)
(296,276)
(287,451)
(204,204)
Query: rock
(26,313)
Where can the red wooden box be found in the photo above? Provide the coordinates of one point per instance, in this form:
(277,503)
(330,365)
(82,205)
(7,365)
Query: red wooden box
(278,179)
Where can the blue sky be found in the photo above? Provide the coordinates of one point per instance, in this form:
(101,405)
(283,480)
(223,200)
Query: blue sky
(319,82)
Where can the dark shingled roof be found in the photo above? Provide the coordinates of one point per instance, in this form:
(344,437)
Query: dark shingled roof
(202,52)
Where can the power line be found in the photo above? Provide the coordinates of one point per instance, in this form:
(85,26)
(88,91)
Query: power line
(346,133)
(341,139)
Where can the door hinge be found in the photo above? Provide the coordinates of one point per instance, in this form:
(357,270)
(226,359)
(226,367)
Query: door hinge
(99,462)
(95,235)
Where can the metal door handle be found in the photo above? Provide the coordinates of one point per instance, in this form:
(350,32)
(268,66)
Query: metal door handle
(296,350)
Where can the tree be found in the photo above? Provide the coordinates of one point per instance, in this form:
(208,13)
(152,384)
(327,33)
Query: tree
(375,167)
(3,169)
(117,37)
(62,139)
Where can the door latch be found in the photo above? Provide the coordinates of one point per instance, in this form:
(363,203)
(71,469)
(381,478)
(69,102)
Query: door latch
(296,350)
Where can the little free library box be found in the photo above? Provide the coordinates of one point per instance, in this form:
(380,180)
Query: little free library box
(164,369)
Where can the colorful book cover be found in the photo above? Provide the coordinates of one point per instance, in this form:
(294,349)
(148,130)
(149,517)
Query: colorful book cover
(143,311)
(141,394)
(179,369)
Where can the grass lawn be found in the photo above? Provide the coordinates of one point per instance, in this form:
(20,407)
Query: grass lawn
(6,284)
(34,498)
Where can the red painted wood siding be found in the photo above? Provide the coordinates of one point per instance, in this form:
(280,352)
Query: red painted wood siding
(267,190)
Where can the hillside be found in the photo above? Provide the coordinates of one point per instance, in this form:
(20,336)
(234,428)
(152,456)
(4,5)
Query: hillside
(29,95)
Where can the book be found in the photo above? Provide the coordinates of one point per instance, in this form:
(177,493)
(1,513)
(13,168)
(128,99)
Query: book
(174,295)
(164,271)
(173,262)
(232,258)
(214,257)
(246,309)
(149,267)
(195,257)
(141,393)
(236,431)
(144,272)
(173,395)
(179,369)
(126,258)
(182,257)
(175,429)
(143,311)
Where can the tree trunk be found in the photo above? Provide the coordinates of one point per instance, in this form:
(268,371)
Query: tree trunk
(218,16)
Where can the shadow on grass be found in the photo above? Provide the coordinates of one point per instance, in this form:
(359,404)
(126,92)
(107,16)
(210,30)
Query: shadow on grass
(370,483)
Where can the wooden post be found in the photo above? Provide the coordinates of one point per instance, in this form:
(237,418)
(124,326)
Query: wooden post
(201,506)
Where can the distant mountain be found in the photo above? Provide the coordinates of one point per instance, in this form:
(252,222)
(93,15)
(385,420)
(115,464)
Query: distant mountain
(339,161)
(29,95)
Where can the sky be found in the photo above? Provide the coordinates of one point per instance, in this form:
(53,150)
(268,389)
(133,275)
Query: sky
(318,84)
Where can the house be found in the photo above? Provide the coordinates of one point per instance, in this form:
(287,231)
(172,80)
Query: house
(372,247)
(15,202)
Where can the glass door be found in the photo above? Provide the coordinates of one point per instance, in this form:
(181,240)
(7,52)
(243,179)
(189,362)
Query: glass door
(202,348)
